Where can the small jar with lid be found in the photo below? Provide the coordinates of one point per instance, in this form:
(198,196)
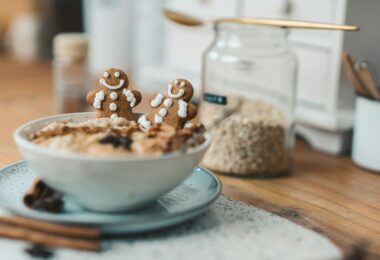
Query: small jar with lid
(69,72)
(249,85)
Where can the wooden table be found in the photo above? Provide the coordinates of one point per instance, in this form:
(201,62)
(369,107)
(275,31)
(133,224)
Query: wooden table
(326,193)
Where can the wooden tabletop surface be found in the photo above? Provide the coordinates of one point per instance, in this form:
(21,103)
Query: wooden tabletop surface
(326,193)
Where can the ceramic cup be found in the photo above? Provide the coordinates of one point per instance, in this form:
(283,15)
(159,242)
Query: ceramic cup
(113,183)
(366,143)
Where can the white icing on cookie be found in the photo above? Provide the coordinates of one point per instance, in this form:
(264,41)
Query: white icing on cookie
(113,107)
(176,81)
(130,97)
(99,97)
(158,119)
(183,83)
(116,74)
(113,95)
(104,83)
(163,112)
(114,116)
(188,125)
(182,110)
(106,74)
(157,100)
(144,122)
(168,102)
(178,95)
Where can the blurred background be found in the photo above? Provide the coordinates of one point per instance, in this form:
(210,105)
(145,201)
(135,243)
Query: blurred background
(135,36)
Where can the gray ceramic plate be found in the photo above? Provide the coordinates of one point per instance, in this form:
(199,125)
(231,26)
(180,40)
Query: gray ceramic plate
(188,200)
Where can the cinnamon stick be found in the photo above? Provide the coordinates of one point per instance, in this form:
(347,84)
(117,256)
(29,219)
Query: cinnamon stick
(16,232)
(53,228)
(40,196)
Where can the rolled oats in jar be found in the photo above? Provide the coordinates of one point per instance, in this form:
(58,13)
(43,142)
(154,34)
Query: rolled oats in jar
(249,91)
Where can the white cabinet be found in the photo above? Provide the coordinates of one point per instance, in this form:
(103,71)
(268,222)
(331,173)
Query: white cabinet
(184,46)
(325,101)
(308,10)
(313,77)
(205,8)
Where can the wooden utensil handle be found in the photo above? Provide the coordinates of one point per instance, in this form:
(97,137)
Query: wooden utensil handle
(290,23)
(368,80)
(348,65)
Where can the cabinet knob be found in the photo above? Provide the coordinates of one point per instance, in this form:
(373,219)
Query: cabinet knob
(287,7)
(205,1)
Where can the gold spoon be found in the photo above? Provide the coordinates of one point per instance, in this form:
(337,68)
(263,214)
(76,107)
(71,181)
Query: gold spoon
(188,20)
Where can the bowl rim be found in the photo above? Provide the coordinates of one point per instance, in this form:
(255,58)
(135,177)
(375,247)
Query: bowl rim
(23,142)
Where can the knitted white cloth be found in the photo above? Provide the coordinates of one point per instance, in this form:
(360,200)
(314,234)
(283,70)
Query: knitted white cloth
(229,230)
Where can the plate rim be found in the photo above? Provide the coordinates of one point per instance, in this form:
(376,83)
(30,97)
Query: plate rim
(154,218)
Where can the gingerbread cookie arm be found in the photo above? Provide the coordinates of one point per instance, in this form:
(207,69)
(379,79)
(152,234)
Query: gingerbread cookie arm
(191,112)
(156,100)
(91,97)
(138,96)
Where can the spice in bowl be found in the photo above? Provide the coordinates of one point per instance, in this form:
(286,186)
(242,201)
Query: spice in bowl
(110,137)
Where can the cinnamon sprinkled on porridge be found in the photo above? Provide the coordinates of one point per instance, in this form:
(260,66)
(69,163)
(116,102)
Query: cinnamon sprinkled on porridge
(106,136)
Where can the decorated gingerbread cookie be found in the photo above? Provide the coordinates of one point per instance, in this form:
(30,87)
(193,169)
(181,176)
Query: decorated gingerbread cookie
(113,98)
(173,107)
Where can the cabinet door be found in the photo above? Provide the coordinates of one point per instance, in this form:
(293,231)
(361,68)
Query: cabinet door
(204,8)
(184,46)
(308,10)
(264,9)
(311,10)
(324,11)
(314,77)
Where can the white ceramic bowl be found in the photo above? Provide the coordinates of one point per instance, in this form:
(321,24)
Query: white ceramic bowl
(106,183)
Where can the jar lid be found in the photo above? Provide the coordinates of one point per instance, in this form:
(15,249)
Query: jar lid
(70,45)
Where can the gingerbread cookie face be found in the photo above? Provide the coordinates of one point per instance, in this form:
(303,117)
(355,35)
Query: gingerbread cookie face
(114,79)
(173,107)
(180,89)
(113,98)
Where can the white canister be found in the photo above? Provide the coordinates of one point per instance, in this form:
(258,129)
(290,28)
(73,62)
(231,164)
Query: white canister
(366,143)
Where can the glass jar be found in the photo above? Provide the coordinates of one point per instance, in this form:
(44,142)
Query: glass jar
(70,72)
(249,85)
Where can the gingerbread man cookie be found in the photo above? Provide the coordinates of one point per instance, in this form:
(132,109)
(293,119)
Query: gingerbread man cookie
(172,108)
(114,99)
